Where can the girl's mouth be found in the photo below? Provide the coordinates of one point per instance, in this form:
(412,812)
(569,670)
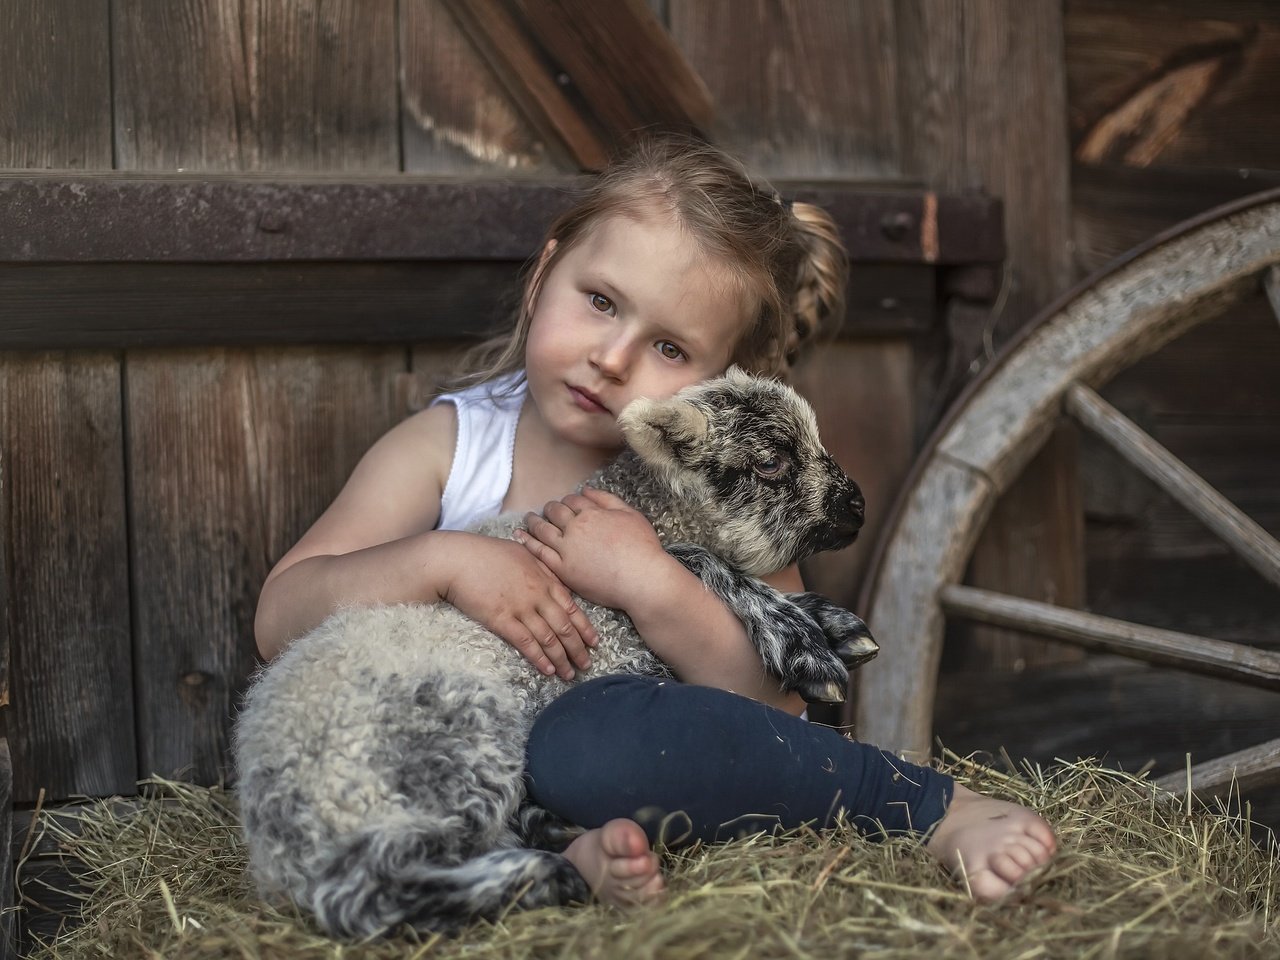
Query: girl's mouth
(587,401)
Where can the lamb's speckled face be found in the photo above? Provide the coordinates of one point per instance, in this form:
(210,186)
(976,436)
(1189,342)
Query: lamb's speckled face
(748,449)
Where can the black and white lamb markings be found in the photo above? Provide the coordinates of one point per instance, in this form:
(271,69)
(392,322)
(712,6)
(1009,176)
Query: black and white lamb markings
(380,757)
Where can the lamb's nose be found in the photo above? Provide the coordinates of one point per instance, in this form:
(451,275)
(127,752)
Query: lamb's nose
(858,506)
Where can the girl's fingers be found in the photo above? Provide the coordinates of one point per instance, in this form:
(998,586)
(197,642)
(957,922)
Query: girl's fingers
(566,603)
(605,499)
(568,634)
(544,635)
(536,525)
(518,636)
(584,626)
(558,513)
(576,502)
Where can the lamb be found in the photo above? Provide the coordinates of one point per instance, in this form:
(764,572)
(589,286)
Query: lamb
(380,757)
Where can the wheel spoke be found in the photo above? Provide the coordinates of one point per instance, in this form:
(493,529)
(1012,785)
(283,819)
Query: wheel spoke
(1090,630)
(1256,767)
(1253,544)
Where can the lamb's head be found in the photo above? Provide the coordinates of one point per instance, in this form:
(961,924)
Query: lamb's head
(746,449)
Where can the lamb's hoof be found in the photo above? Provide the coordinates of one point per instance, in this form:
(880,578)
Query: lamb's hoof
(817,691)
(856,650)
(557,836)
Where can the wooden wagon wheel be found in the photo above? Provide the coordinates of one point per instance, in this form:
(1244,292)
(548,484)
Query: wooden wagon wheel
(1152,295)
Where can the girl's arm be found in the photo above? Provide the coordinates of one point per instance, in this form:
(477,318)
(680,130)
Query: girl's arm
(375,544)
(607,552)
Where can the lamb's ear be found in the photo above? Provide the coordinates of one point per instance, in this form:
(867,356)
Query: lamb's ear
(657,430)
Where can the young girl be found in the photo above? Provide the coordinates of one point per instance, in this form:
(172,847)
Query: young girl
(673,266)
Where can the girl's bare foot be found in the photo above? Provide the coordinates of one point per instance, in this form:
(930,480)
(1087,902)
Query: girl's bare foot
(990,844)
(617,864)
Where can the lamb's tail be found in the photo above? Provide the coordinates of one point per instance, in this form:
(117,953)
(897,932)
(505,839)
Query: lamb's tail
(375,889)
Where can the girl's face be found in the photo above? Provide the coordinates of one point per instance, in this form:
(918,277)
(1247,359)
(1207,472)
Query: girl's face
(636,309)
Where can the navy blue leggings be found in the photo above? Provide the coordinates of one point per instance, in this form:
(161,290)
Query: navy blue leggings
(696,763)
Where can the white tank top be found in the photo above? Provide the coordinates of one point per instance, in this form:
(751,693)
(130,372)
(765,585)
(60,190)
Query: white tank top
(482,458)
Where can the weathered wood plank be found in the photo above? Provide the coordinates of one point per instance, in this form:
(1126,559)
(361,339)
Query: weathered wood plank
(524,70)
(866,423)
(620,61)
(799,89)
(1093,632)
(102,305)
(70,722)
(1213,376)
(124,217)
(1247,769)
(1115,208)
(55,76)
(250,86)
(115,306)
(254,446)
(588,75)
(966,125)
(1173,84)
(255,85)
(1033,546)
(455,117)
(1252,543)
(432,366)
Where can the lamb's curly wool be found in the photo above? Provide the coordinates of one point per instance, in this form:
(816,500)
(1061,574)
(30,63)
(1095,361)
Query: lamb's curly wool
(380,757)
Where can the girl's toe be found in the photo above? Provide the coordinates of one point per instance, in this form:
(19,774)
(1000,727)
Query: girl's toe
(1006,867)
(1024,858)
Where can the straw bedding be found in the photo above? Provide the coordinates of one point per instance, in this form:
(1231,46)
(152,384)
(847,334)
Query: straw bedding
(1140,874)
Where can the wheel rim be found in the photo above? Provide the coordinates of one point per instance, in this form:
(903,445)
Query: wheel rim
(1111,320)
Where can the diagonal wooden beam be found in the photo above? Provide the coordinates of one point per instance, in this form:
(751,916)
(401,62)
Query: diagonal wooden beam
(503,40)
(587,74)
(1245,664)
(1250,769)
(1252,543)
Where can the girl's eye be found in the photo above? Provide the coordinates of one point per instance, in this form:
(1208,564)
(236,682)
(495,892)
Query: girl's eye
(768,468)
(601,303)
(670,350)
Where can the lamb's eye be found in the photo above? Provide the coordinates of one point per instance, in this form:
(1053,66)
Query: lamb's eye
(768,468)
(601,303)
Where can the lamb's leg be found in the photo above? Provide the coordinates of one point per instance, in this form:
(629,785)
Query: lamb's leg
(541,829)
(846,632)
(792,645)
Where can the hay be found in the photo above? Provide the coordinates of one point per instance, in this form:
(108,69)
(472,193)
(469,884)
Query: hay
(1139,874)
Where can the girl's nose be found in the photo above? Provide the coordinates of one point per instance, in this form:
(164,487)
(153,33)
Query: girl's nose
(612,357)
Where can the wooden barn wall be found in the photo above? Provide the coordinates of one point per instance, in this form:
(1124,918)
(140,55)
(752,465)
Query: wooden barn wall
(996,95)
(1172,110)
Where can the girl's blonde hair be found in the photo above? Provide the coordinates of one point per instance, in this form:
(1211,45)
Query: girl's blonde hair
(787,257)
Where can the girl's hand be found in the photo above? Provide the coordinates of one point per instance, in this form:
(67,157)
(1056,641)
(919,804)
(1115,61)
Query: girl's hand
(597,545)
(502,586)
